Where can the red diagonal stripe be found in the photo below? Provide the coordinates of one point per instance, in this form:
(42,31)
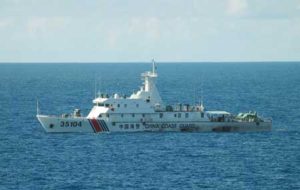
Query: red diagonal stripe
(90,121)
(96,125)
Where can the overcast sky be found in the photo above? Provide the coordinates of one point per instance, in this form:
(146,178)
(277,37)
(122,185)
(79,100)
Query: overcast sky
(139,30)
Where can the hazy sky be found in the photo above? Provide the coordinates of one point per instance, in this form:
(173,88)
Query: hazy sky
(139,30)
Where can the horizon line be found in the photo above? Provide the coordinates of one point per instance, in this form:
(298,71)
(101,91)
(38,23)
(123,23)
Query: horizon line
(139,62)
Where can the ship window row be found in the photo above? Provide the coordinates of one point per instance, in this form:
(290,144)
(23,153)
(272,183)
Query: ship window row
(111,105)
(103,105)
(129,126)
(101,115)
(122,115)
(186,115)
(160,115)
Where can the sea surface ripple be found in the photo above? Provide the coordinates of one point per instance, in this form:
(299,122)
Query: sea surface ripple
(33,159)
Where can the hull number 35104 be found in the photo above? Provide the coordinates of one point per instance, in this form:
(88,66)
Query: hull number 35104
(70,124)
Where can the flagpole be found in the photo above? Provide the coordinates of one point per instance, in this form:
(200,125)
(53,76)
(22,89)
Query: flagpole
(37,107)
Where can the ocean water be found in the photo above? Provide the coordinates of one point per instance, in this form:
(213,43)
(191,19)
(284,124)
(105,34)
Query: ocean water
(33,159)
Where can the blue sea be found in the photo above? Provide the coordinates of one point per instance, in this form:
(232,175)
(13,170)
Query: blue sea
(30,158)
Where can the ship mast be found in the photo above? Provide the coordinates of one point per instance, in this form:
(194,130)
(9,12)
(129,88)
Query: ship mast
(153,67)
(149,91)
(37,107)
(201,97)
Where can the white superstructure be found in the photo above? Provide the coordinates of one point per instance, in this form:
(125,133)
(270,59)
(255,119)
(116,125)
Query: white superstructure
(144,110)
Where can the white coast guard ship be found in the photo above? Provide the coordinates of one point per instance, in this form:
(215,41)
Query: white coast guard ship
(145,111)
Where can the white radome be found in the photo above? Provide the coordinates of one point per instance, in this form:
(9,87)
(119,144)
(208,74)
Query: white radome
(144,110)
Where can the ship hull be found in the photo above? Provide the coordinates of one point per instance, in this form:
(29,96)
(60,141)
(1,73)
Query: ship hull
(55,124)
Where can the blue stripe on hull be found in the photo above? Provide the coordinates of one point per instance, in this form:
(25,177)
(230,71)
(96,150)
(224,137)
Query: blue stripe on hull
(101,126)
(104,125)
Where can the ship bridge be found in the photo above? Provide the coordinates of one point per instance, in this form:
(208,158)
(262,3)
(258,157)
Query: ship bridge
(149,92)
(146,100)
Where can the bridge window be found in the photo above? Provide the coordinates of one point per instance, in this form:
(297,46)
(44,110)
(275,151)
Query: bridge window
(161,115)
(100,115)
(107,105)
(186,115)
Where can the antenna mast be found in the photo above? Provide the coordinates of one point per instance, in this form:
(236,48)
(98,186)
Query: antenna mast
(201,98)
(37,107)
(201,92)
(153,66)
(100,87)
(95,87)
